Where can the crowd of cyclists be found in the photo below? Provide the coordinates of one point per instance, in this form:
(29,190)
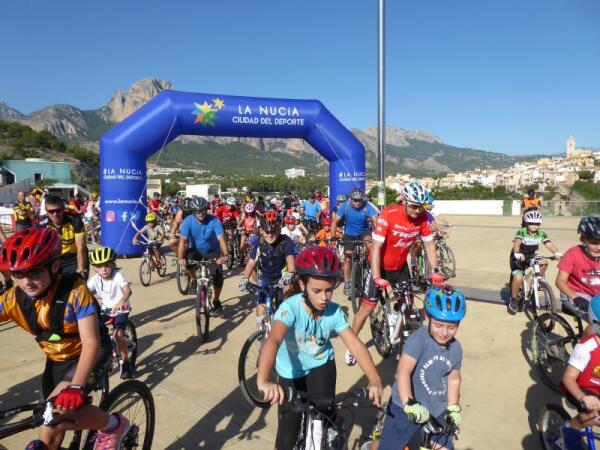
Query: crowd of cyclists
(306,247)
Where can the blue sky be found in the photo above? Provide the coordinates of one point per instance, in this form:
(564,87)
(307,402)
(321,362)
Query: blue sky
(512,76)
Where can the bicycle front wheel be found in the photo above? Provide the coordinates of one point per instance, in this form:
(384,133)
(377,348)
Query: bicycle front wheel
(183,280)
(356,284)
(552,342)
(546,297)
(131,341)
(202,315)
(162,270)
(379,331)
(550,422)
(145,272)
(446,261)
(247,369)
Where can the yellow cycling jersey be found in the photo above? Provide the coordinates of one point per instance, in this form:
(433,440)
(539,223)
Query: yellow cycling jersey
(72,226)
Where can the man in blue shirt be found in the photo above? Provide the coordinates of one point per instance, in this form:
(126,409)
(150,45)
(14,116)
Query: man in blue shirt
(201,237)
(310,211)
(358,216)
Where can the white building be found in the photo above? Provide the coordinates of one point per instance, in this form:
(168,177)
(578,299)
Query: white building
(295,172)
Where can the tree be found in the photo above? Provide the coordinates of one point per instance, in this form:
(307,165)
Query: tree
(585,174)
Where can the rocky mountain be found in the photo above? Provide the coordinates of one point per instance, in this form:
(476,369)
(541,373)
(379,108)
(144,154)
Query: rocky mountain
(413,151)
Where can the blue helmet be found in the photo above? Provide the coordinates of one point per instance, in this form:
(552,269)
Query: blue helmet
(594,313)
(447,304)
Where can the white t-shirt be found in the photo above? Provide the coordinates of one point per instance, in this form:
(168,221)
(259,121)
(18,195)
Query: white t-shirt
(108,291)
(295,234)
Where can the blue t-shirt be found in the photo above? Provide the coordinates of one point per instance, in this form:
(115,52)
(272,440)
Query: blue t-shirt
(357,220)
(203,234)
(272,258)
(430,376)
(307,343)
(311,209)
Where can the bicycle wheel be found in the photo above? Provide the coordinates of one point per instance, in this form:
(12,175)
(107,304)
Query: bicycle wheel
(162,270)
(202,315)
(230,253)
(552,342)
(145,272)
(356,284)
(133,399)
(379,331)
(446,260)
(131,341)
(183,280)
(546,297)
(550,421)
(247,369)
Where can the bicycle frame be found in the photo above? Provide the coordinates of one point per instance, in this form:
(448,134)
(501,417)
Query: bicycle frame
(531,280)
(404,300)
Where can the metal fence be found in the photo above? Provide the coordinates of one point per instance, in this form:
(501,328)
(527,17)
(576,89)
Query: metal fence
(571,208)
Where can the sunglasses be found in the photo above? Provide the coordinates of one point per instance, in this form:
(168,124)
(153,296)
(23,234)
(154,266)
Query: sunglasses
(53,211)
(414,206)
(357,200)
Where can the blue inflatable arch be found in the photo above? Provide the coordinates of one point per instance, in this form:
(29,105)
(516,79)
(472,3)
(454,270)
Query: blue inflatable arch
(126,147)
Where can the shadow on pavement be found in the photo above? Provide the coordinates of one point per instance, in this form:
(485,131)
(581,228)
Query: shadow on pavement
(164,313)
(23,393)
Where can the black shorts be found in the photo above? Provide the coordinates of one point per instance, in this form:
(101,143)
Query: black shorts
(191,254)
(517,265)
(372,293)
(57,371)
(347,240)
(68,264)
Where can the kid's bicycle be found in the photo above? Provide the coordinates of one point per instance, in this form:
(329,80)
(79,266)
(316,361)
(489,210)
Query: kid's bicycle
(204,295)
(549,426)
(130,335)
(445,257)
(148,265)
(536,294)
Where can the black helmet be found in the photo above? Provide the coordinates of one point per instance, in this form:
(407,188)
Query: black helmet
(185,205)
(357,194)
(589,227)
(531,192)
(199,204)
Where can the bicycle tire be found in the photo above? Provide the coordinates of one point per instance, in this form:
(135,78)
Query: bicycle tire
(546,305)
(145,272)
(249,359)
(446,260)
(552,360)
(549,424)
(122,395)
(379,331)
(230,254)
(162,270)
(355,285)
(183,280)
(202,315)
(132,344)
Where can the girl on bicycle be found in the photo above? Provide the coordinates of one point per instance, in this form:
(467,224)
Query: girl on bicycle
(299,345)
(248,224)
(113,292)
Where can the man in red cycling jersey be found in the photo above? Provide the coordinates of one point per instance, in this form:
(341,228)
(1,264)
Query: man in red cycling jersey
(228,213)
(155,203)
(397,229)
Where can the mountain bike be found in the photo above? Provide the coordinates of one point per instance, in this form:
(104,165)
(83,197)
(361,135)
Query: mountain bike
(232,235)
(550,422)
(445,256)
(358,272)
(394,320)
(183,279)
(130,335)
(204,295)
(147,265)
(534,284)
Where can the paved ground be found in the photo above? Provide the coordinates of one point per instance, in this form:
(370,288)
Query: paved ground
(195,386)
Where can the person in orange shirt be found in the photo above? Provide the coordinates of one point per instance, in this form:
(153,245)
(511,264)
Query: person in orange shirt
(324,236)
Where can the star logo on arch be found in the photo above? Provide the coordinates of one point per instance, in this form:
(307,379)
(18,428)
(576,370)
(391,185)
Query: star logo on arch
(206,113)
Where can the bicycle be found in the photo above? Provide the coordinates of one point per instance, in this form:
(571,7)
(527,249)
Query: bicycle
(358,273)
(147,265)
(232,235)
(204,295)
(132,398)
(550,422)
(393,321)
(319,431)
(248,360)
(422,270)
(183,279)
(92,230)
(552,342)
(130,335)
(445,257)
(534,282)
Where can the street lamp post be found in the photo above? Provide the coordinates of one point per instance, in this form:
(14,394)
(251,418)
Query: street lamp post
(381,103)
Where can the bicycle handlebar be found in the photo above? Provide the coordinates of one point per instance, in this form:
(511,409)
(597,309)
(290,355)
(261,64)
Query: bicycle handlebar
(433,426)
(301,401)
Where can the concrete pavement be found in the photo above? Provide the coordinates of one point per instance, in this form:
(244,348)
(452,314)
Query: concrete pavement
(198,402)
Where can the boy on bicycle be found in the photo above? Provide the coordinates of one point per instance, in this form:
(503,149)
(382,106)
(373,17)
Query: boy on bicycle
(428,375)
(63,315)
(273,255)
(155,235)
(525,245)
(293,231)
(113,291)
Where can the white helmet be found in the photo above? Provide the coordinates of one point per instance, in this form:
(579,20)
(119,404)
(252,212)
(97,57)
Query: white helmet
(273,201)
(533,217)
(415,193)
(231,201)
(249,207)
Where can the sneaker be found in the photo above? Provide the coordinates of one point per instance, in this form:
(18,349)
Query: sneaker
(192,287)
(349,359)
(347,288)
(216,304)
(513,306)
(112,440)
(126,370)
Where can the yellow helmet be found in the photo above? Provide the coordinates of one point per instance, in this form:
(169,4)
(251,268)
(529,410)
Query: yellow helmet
(102,255)
(93,196)
(151,217)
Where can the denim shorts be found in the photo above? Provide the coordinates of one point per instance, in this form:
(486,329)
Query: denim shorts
(398,430)
(120,321)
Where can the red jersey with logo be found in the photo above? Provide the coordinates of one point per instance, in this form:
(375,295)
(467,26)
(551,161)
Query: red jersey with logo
(224,214)
(584,272)
(250,223)
(398,231)
(586,359)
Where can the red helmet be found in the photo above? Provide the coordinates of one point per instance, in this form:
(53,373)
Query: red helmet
(270,221)
(30,249)
(290,219)
(319,262)
(326,221)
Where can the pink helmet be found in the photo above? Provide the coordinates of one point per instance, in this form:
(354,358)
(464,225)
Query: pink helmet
(250,207)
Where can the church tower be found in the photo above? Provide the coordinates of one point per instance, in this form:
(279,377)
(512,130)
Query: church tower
(570,146)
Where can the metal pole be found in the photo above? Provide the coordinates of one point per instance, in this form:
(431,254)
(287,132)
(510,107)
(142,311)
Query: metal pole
(381,103)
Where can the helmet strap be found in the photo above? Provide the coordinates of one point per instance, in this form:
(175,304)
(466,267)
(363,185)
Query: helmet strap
(308,303)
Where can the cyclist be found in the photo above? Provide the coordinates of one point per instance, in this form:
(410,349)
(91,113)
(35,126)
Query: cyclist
(397,229)
(216,203)
(578,276)
(273,255)
(23,212)
(205,235)
(428,377)
(292,230)
(63,315)
(356,213)
(248,224)
(525,246)
(155,204)
(310,210)
(299,344)
(228,214)
(72,234)
(182,212)
(325,234)
(340,201)
(155,235)
(113,292)
(288,201)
